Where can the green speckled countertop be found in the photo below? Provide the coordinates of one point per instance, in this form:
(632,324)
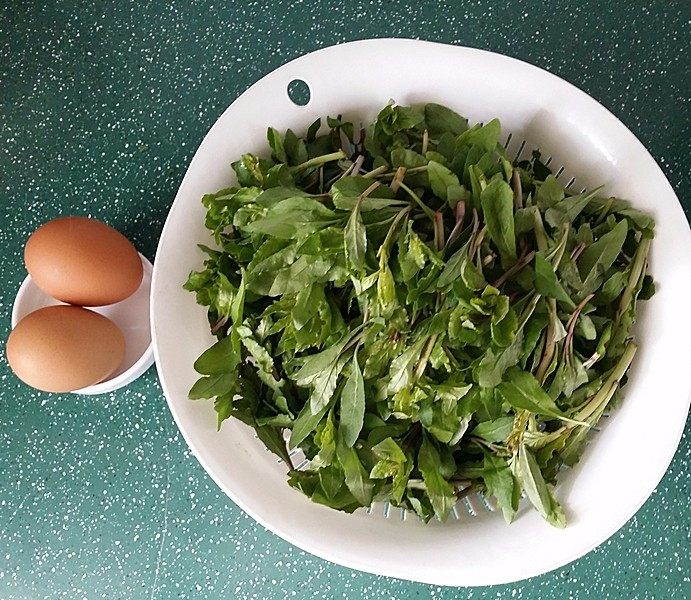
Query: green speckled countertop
(101,109)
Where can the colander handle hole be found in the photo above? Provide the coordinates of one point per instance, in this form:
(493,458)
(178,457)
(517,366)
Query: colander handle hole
(299,92)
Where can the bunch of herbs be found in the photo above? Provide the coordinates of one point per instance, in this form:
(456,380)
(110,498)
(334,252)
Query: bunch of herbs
(422,316)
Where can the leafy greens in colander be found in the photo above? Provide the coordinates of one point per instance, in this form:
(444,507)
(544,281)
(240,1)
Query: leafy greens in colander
(424,317)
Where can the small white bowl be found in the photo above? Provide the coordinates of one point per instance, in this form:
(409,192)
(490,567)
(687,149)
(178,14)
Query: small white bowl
(131,316)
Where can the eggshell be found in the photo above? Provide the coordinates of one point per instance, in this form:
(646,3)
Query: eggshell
(83,261)
(64,348)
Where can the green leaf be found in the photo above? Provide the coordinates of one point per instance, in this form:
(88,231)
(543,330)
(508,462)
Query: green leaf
(528,473)
(612,287)
(500,483)
(386,288)
(412,254)
(440,119)
(324,385)
(356,478)
(260,354)
(392,463)
(325,439)
(215,385)
(600,256)
(441,179)
(453,268)
(440,491)
(219,358)
(547,283)
(238,303)
(355,239)
(497,209)
(566,211)
(549,193)
(523,391)
(223,405)
(276,143)
(402,157)
(486,137)
(346,192)
(403,365)
(496,430)
(494,363)
(352,404)
(295,148)
(307,305)
(393,118)
(305,271)
(503,329)
(272,438)
(313,366)
(313,130)
(305,424)
(389,450)
(291,217)
(274,195)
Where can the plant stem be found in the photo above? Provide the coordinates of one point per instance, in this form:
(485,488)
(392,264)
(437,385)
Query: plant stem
(571,326)
(637,270)
(471,489)
(528,311)
(422,363)
(516,268)
(576,252)
(319,160)
(398,179)
(610,385)
(367,192)
(389,234)
(458,227)
(375,172)
(540,235)
(393,173)
(426,209)
(438,230)
(557,254)
(548,352)
(517,189)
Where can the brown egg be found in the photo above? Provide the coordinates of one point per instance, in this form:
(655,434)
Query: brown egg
(83,261)
(64,348)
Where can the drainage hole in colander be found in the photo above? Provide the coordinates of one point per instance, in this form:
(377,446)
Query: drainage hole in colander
(520,150)
(299,92)
(469,507)
(485,503)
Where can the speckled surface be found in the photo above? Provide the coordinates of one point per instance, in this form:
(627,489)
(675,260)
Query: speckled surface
(101,110)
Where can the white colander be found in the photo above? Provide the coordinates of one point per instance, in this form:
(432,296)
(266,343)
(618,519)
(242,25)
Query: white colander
(624,462)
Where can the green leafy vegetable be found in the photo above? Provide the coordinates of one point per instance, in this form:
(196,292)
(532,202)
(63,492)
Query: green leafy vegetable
(352,404)
(421,317)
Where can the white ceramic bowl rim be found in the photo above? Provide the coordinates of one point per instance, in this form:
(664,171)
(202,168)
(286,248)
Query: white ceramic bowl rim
(617,473)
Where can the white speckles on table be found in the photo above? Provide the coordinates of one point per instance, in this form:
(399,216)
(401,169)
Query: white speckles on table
(101,109)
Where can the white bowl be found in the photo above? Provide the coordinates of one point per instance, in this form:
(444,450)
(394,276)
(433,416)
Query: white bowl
(624,462)
(131,316)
